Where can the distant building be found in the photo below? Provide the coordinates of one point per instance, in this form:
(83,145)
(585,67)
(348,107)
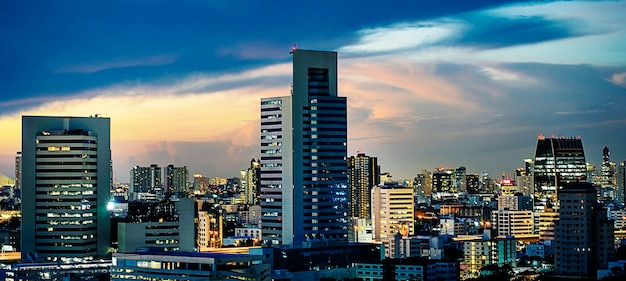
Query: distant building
(513,223)
(607,171)
(620,194)
(66,182)
(146,183)
(460,179)
(515,203)
(167,225)
(363,175)
(472,183)
(251,182)
(414,268)
(558,161)
(177,181)
(482,251)
(55,271)
(422,184)
(545,220)
(443,181)
(18,170)
(584,239)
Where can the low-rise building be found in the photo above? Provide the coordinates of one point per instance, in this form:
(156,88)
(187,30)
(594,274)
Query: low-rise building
(155,265)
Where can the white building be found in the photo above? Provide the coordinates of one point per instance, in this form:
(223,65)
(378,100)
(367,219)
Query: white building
(392,212)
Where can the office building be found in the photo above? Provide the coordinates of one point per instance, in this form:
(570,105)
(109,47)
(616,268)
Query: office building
(363,175)
(606,173)
(515,203)
(392,212)
(472,183)
(620,181)
(513,223)
(251,182)
(443,182)
(168,225)
(304,158)
(422,184)
(156,265)
(584,240)
(460,179)
(483,250)
(177,181)
(414,268)
(557,161)
(145,183)
(66,179)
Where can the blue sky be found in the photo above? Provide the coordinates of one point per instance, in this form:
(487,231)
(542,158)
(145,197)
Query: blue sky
(429,84)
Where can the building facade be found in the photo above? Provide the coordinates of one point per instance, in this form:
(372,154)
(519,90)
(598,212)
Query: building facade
(66,182)
(584,240)
(364,174)
(393,212)
(145,183)
(304,158)
(177,181)
(557,161)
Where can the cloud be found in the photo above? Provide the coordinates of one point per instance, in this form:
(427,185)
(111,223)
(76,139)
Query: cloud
(577,112)
(618,79)
(399,37)
(117,63)
(254,51)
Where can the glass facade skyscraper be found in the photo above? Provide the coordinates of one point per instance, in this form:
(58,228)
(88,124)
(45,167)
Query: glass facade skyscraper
(304,157)
(558,161)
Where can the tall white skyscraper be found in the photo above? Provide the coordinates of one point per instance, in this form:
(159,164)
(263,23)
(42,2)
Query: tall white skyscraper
(66,181)
(304,157)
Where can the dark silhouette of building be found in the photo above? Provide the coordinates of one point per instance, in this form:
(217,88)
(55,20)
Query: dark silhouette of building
(584,240)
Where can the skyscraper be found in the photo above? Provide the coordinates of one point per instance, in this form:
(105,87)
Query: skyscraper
(304,158)
(145,183)
(557,161)
(66,179)
(620,194)
(364,174)
(177,180)
(584,239)
(250,182)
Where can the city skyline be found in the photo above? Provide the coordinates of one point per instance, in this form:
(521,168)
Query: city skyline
(460,84)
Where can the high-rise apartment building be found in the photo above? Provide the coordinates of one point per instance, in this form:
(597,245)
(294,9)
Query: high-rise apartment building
(443,181)
(66,181)
(460,179)
(18,171)
(363,175)
(557,161)
(584,239)
(472,183)
(145,183)
(250,182)
(620,194)
(304,157)
(177,181)
(423,184)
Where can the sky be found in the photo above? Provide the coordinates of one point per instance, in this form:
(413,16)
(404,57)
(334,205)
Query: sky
(429,83)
